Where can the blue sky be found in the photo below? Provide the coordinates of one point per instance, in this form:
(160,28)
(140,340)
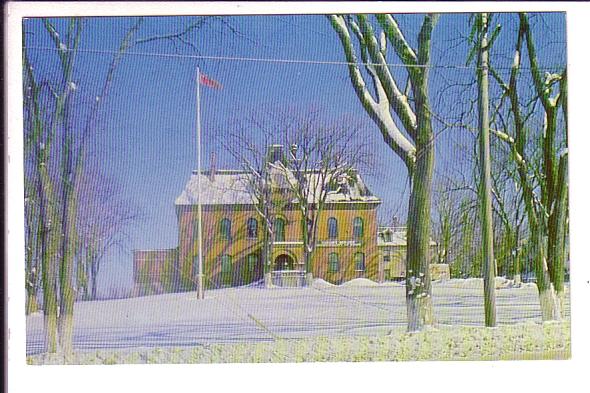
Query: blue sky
(147,138)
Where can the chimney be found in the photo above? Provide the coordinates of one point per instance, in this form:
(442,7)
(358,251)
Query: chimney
(212,167)
(293,150)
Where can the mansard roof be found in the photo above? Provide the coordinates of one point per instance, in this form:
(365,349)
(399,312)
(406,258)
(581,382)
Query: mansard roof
(231,187)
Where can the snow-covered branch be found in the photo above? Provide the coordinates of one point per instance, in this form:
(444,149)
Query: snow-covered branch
(378,111)
(399,101)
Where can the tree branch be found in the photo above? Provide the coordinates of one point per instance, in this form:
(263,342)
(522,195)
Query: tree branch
(379,112)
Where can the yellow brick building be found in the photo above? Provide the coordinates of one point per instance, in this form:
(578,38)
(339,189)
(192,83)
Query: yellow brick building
(233,233)
(392,245)
(349,243)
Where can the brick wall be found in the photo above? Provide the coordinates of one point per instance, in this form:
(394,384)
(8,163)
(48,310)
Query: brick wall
(240,246)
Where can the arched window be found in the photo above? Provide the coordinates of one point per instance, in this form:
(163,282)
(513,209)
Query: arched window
(358,228)
(333,263)
(251,262)
(359,262)
(225,229)
(226,264)
(252,228)
(332,228)
(279,228)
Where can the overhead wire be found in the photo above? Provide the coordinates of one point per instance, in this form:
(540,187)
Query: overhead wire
(275,60)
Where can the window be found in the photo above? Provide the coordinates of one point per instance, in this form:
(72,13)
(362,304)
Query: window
(251,262)
(252,228)
(225,229)
(333,263)
(386,258)
(332,228)
(359,262)
(226,264)
(279,229)
(357,228)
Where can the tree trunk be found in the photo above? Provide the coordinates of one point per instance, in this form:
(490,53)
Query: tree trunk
(547,297)
(556,239)
(545,270)
(49,227)
(485,186)
(93,288)
(49,280)
(31,287)
(418,286)
(517,265)
(516,277)
(266,258)
(67,294)
(307,255)
(31,302)
(418,156)
(418,291)
(69,175)
(49,257)
(66,331)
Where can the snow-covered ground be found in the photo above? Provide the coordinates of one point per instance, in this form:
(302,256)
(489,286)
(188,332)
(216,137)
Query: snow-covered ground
(246,314)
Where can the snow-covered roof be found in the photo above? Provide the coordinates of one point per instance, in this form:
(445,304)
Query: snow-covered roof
(230,187)
(394,236)
(226,187)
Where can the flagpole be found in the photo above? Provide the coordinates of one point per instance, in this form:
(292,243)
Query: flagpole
(200,292)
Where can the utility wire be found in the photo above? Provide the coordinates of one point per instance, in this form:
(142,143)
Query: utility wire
(272,60)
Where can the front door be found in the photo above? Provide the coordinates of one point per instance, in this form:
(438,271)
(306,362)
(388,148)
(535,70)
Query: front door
(284,262)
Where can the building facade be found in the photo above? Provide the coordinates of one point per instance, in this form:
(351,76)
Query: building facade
(349,243)
(234,236)
(392,245)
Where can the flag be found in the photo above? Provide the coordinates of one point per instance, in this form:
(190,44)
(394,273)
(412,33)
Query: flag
(206,81)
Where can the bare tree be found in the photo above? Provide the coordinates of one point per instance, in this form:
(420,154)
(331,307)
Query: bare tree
(252,156)
(46,115)
(446,228)
(103,216)
(60,131)
(509,212)
(547,213)
(415,145)
(324,157)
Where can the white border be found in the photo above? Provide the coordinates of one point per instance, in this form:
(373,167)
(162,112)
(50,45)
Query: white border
(538,376)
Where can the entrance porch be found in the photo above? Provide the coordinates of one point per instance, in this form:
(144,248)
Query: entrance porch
(284,273)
